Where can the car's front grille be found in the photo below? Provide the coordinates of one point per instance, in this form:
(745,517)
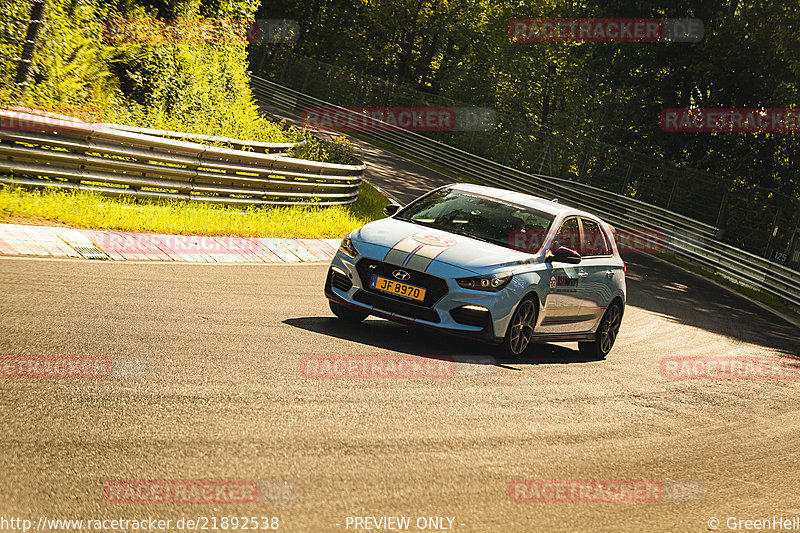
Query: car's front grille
(434,287)
(392,305)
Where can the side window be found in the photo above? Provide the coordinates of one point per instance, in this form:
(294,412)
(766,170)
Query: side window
(568,236)
(594,239)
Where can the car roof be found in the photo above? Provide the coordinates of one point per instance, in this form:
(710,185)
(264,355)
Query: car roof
(527,200)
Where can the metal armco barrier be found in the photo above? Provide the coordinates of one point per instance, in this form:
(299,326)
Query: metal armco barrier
(51,151)
(192,137)
(685,237)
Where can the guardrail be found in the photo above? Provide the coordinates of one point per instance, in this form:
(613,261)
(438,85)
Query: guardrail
(43,150)
(57,119)
(687,238)
(267,148)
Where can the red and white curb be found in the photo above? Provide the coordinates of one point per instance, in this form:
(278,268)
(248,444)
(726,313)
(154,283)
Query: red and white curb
(51,241)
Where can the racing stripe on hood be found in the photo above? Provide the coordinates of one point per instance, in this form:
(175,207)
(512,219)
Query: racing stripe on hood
(411,255)
(401,251)
(424,257)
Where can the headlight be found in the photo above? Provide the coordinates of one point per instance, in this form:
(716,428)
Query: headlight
(347,248)
(492,283)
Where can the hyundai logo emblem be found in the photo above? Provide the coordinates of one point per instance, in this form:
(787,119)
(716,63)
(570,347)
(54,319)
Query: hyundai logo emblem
(401,274)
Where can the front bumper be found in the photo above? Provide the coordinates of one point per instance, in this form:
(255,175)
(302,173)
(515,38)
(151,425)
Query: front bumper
(448,307)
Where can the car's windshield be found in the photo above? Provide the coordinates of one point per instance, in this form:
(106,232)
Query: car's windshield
(486,219)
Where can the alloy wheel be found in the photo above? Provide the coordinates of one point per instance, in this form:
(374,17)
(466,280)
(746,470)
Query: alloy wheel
(610,328)
(522,327)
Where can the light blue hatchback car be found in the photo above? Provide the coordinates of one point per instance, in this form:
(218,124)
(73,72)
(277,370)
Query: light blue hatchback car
(491,264)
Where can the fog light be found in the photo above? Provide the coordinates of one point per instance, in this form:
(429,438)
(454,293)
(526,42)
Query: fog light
(471,315)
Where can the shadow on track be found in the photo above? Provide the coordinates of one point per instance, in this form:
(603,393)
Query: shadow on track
(421,342)
(688,299)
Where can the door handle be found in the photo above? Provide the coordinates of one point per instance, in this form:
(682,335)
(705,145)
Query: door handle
(610,273)
(583,274)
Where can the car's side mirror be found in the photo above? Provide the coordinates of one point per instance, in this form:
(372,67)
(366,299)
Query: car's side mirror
(564,255)
(390,209)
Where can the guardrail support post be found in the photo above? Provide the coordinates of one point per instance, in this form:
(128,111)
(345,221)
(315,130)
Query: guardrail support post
(510,140)
(722,206)
(359,87)
(330,80)
(385,100)
(283,70)
(545,154)
(261,61)
(773,230)
(674,188)
(627,179)
(585,162)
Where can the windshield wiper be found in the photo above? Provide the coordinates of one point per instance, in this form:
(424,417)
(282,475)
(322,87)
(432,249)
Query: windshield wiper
(420,223)
(465,234)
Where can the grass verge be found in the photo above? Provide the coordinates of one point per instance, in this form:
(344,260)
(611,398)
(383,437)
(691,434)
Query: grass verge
(81,209)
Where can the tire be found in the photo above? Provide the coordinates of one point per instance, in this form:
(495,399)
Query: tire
(347,313)
(606,334)
(520,329)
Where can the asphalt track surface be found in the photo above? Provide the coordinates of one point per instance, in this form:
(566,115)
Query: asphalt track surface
(224,398)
